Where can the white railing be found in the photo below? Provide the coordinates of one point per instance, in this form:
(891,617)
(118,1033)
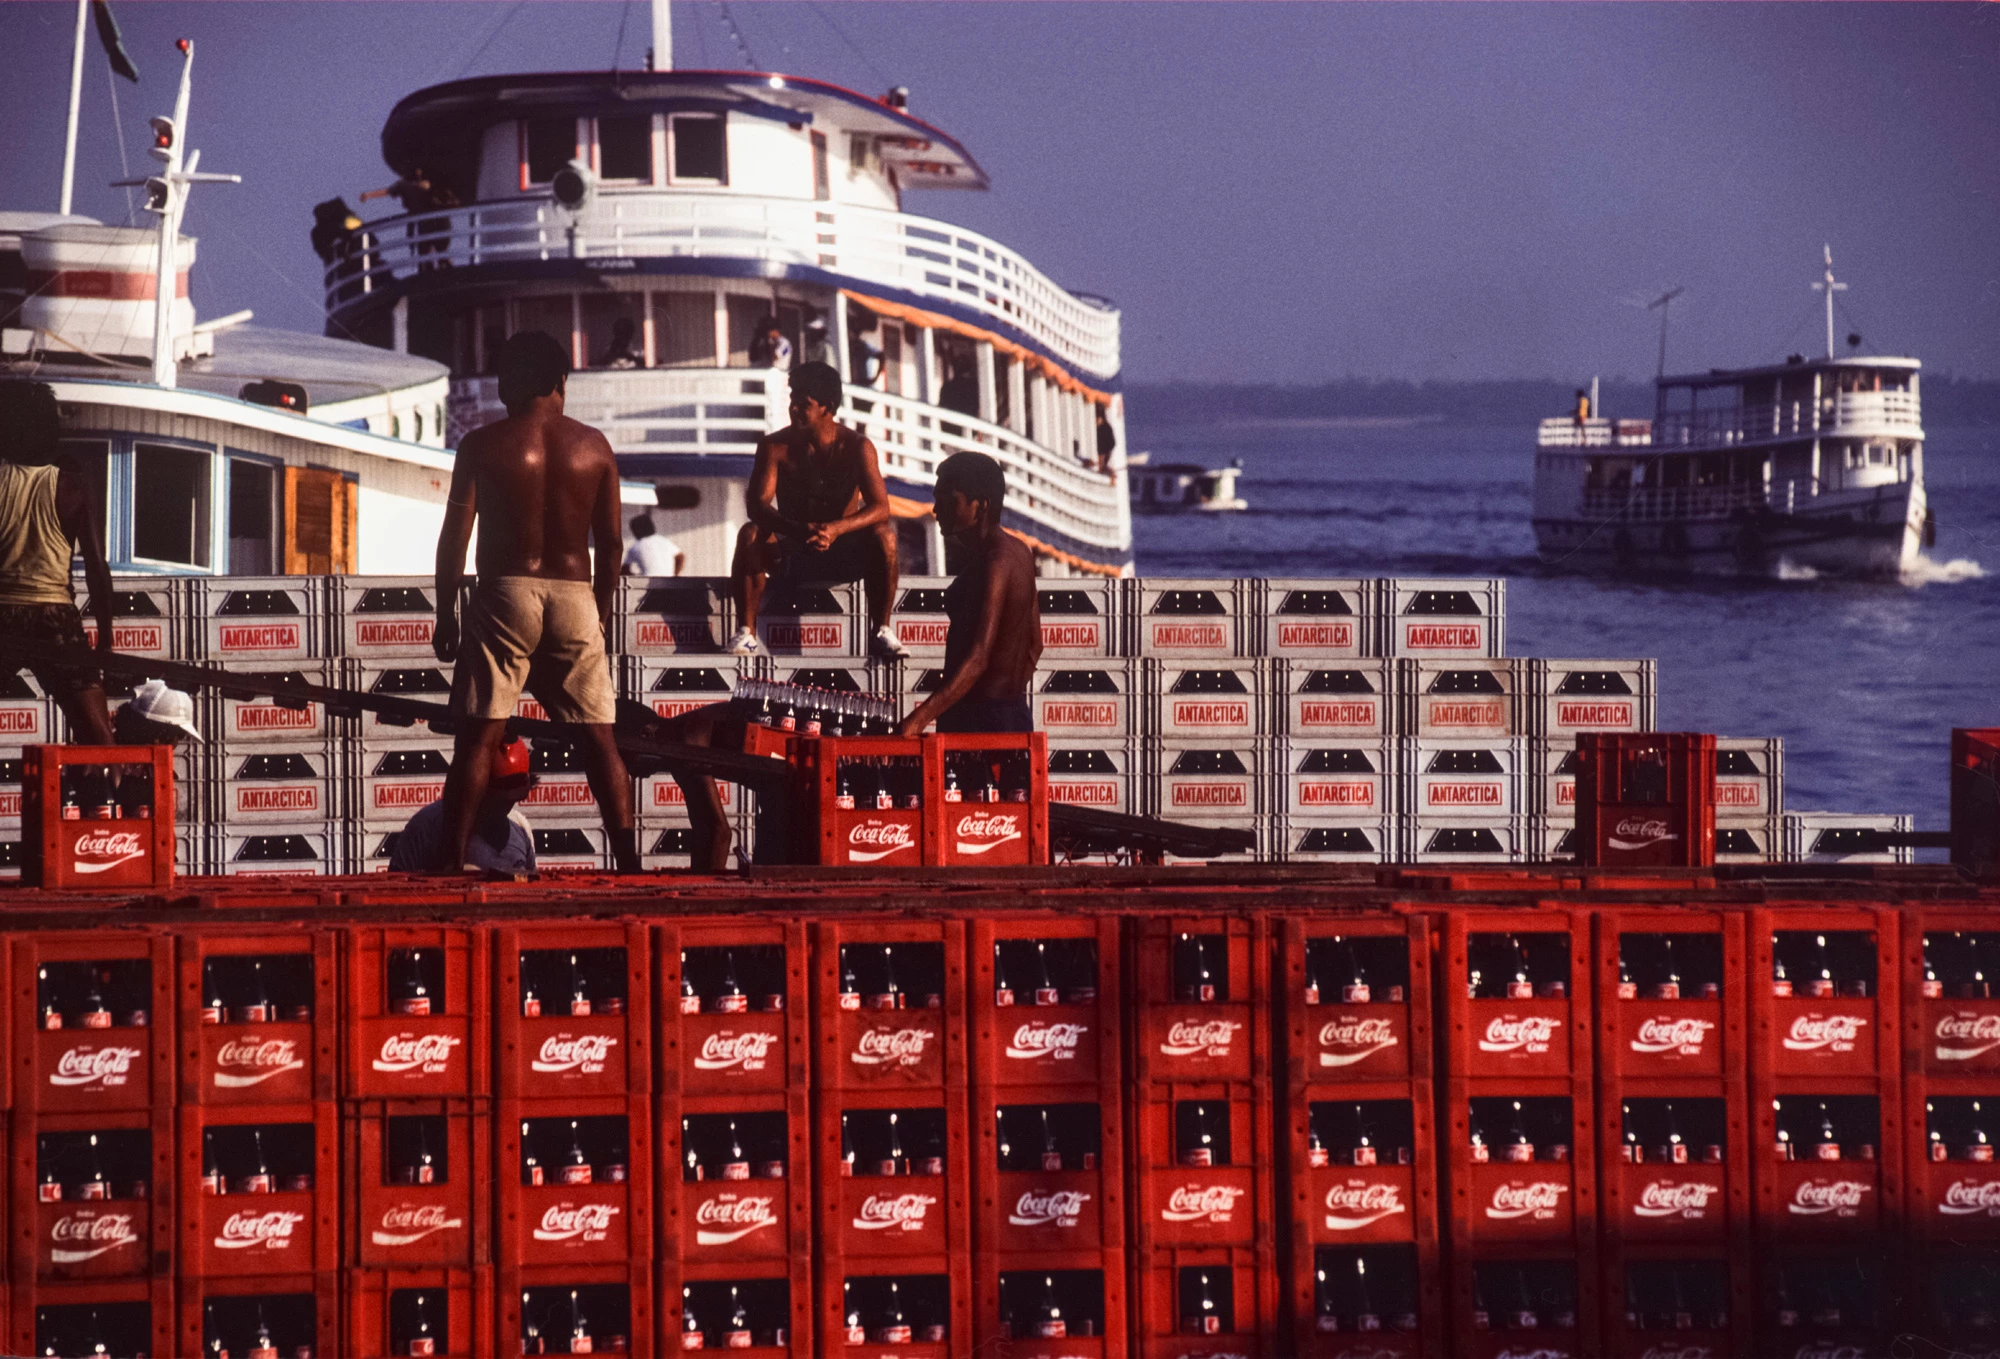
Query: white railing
(869,245)
(1846,413)
(1567,432)
(1720,502)
(722,411)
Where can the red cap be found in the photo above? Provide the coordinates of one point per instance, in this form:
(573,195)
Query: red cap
(511,761)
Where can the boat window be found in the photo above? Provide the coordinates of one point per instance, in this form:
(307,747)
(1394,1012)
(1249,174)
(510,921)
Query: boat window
(822,180)
(253,502)
(696,150)
(550,315)
(684,330)
(173,485)
(547,144)
(625,148)
(613,330)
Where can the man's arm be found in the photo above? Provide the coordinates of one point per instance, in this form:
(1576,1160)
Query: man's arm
(460,511)
(960,681)
(79,517)
(874,507)
(761,494)
(604,529)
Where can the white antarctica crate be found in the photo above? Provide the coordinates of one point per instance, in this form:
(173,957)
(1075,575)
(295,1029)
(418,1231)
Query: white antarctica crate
(1088,698)
(1317,619)
(571,847)
(27,714)
(1206,779)
(673,615)
(1339,839)
(10,795)
(1497,840)
(1430,619)
(562,789)
(1465,778)
(1079,619)
(1749,776)
(311,847)
(1357,778)
(1749,839)
(810,621)
(1473,696)
(1205,700)
(1333,698)
(919,618)
(673,687)
(1103,773)
(664,844)
(397,780)
(259,618)
(262,721)
(1188,619)
(280,783)
(148,617)
(659,795)
(1261,830)
(1552,839)
(1552,778)
(1844,838)
(413,677)
(390,616)
(1567,697)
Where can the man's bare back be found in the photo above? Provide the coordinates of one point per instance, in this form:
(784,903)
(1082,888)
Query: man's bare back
(539,486)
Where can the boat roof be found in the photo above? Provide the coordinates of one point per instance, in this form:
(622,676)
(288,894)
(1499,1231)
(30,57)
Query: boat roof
(330,370)
(1729,377)
(439,128)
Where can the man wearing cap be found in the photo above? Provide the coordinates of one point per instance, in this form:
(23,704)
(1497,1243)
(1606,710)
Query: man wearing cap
(156,716)
(502,841)
(819,513)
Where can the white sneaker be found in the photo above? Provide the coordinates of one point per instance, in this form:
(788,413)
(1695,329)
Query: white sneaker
(886,647)
(745,643)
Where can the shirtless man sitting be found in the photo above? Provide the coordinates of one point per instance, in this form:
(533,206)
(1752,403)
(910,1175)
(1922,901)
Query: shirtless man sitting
(541,487)
(830,519)
(995,636)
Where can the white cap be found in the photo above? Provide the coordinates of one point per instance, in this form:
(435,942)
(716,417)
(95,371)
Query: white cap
(155,702)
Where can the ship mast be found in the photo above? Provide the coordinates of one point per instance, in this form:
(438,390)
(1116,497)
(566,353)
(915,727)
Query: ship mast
(663,35)
(1829,287)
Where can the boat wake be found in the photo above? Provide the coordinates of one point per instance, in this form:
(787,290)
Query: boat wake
(1790,570)
(1925,571)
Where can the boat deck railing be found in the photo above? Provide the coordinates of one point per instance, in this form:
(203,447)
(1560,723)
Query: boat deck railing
(914,255)
(1839,415)
(1648,503)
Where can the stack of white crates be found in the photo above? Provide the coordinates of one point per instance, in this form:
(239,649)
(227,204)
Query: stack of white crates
(382,626)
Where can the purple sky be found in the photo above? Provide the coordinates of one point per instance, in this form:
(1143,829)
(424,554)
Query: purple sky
(1271,192)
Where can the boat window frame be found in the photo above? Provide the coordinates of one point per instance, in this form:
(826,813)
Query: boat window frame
(652,150)
(217,504)
(674,175)
(582,140)
(276,466)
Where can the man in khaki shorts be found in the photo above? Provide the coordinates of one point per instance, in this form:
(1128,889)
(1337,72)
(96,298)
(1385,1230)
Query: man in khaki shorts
(541,487)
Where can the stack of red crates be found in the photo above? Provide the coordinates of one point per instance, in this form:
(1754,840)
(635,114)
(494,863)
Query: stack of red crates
(1360,1152)
(417,1141)
(891,1147)
(1200,1137)
(572,1164)
(1951,1120)
(1517,1133)
(1674,1132)
(1048,1170)
(90,1091)
(257,1176)
(1827,1129)
(733,1136)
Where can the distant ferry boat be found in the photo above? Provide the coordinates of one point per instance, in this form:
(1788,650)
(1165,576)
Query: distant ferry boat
(1177,487)
(1809,465)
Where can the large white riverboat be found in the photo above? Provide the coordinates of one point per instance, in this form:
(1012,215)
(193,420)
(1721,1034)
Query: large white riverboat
(1811,465)
(663,222)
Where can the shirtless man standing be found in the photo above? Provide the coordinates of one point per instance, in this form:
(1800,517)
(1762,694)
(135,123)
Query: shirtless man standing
(995,637)
(830,519)
(541,487)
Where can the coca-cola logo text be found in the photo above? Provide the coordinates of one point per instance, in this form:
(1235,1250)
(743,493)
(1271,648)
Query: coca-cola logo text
(1971,1198)
(1832,1033)
(1682,1037)
(1208,1037)
(1195,1202)
(728,1218)
(1353,1040)
(252,1230)
(1841,1198)
(1514,1033)
(576,1222)
(1966,1035)
(977,833)
(1057,1042)
(405,1224)
(1672,1351)
(85,1235)
(428,1053)
(260,1060)
(1357,1204)
(881,1212)
(104,1067)
(724,1051)
(1684,1199)
(102,851)
(873,840)
(1050,1208)
(890,1047)
(1536,1200)
(585,1053)
(1639,832)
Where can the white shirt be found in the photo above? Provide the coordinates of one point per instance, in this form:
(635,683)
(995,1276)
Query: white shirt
(652,555)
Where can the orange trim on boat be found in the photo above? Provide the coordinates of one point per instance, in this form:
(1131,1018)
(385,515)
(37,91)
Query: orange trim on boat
(917,316)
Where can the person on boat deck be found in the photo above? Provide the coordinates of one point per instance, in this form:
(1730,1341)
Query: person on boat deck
(995,637)
(769,348)
(1107,439)
(48,514)
(652,553)
(815,347)
(502,841)
(819,513)
(620,353)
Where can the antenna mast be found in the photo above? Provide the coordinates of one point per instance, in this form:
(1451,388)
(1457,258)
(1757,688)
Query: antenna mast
(1663,302)
(663,35)
(75,106)
(1829,287)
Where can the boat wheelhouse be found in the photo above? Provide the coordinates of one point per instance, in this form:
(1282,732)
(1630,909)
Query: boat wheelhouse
(663,223)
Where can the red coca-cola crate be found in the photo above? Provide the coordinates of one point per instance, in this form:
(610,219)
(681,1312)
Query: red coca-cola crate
(1822,1300)
(299,1310)
(1087,1287)
(93,851)
(734,1008)
(1693,1190)
(58,1232)
(1673,1010)
(936,1291)
(1515,1028)
(987,834)
(228,1055)
(555,1052)
(1949,1298)
(1216,1039)
(128,1316)
(1239,1286)
(400,1312)
(1177,1200)
(1975,799)
(418,1008)
(561,1222)
(773,1292)
(1839,1033)
(538,1308)
(924,1209)
(84,1064)
(1950,993)
(293,1228)
(1057,1023)
(417,1192)
(1645,798)
(1343,1192)
(863,1046)
(1523,1302)
(1665,1301)
(1550,1200)
(1334,1035)
(1031,1198)
(729,1215)
(1800,1195)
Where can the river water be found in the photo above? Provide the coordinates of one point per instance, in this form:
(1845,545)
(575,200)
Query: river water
(1863,680)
